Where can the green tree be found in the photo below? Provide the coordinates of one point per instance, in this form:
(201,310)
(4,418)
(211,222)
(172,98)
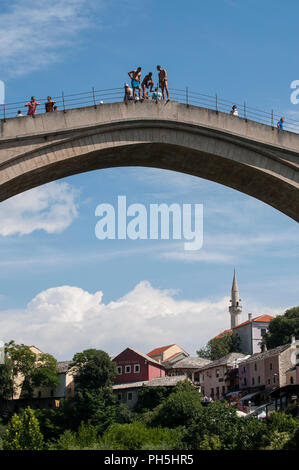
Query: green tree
(6,379)
(150,397)
(181,408)
(23,433)
(37,370)
(45,372)
(220,347)
(282,327)
(219,419)
(92,369)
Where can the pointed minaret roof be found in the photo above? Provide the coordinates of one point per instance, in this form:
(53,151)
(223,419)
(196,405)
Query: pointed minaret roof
(235,309)
(235,288)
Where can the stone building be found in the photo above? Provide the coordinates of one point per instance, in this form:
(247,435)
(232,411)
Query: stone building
(268,370)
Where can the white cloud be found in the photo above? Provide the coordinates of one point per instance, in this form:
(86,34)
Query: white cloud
(201,256)
(66,319)
(33,33)
(51,208)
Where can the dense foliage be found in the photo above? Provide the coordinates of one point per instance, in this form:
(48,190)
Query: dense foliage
(165,418)
(220,347)
(35,370)
(282,327)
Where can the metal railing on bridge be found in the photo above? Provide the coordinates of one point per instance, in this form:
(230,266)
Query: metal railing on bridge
(94,97)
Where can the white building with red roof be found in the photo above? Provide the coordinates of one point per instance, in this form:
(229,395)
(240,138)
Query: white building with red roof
(251,331)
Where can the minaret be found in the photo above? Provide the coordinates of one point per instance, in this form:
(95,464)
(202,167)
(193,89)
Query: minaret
(235,309)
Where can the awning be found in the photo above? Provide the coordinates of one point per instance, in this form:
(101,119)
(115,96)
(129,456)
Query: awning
(250,395)
(233,393)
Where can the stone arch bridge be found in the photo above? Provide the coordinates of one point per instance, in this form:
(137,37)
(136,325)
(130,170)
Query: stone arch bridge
(253,158)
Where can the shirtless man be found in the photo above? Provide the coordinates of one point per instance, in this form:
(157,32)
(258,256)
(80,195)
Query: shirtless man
(135,76)
(163,81)
(49,105)
(147,83)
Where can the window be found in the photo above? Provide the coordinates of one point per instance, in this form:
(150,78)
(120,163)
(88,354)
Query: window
(255,366)
(274,379)
(119,396)
(291,380)
(217,372)
(223,390)
(136,368)
(130,395)
(119,370)
(263,331)
(268,381)
(271,367)
(259,379)
(252,381)
(127,369)
(52,393)
(245,381)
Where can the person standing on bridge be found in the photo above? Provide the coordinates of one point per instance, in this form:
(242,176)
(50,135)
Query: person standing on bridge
(135,76)
(280,124)
(147,82)
(32,106)
(163,81)
(49,105)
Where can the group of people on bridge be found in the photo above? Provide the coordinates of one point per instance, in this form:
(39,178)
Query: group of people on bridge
(146,84)
(32,105)
(143,87)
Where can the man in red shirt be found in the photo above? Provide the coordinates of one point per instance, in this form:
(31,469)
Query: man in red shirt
(32,106)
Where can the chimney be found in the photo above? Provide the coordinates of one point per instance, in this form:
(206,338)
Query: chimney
(249,316)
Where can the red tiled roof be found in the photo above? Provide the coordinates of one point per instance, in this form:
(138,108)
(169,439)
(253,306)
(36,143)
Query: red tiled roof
(224,333)
(157,351)
(261,318)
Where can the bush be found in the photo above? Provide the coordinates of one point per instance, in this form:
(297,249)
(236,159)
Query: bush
(137,436)
(210,443)
(23,433)
(179,409)
(86,437)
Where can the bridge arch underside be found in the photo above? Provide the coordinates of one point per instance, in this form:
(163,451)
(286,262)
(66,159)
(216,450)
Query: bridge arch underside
(229,160)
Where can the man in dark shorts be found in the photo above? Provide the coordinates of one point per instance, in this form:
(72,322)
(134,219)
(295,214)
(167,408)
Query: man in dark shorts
(147,83)
(135,76)
(163,81)
(49,105)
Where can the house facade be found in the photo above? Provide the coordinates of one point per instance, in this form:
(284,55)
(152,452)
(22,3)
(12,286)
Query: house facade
(134,366)
(128,393)
(170,353)
(213,376)
(268,370)
(188,366)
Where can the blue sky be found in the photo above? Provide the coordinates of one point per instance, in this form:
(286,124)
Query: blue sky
(61,288)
